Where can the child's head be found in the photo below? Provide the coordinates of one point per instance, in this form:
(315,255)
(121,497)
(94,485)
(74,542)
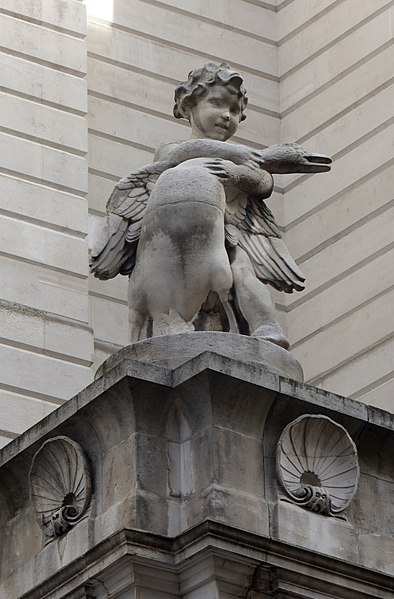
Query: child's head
(199,81)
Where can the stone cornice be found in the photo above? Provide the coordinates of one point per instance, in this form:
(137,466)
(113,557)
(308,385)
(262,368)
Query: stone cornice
(209,538)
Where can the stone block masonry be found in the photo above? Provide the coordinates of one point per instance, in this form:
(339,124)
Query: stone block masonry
(323,78)
(160,480)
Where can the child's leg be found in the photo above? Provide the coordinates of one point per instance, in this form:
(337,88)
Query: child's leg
(255,302)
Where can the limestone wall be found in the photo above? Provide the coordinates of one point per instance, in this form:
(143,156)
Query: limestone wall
(45,339)
(317,71)
(336,96)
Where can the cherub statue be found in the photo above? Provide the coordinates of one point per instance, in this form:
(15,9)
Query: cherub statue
(192,230)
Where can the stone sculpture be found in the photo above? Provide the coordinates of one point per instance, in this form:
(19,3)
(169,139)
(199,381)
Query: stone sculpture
(192,230)
(317,464)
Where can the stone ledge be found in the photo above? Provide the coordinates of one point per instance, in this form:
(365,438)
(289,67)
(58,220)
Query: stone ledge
(123,365)
(175,350)
(178,555)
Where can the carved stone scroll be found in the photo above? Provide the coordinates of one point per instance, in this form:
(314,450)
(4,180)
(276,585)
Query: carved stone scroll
(60,485)
(317,464)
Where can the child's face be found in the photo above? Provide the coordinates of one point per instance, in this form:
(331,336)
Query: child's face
(216,115)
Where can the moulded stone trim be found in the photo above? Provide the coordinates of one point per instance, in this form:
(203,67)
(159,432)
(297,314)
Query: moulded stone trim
(317,464)
(60,485)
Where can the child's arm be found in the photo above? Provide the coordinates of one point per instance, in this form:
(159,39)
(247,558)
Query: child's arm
(281,158)
(177,152)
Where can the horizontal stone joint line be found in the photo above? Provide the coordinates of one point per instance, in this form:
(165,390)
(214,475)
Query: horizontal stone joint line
(56,401)
(249,142)
(26,260)
(348,109)
(151,150)
(121,140)
(340,276)
(42,101)
(44,24)
(107,345)
(44,224)
(43,182)
(344,232)
(108,298)
(44,314)
(96,212)
(163,115)
(186,49)
(262,4)
(279,190)
(44,142)
(316,379)
(283,5)
(301,179)
(132,68)
(163,78)
(376,383)
(280,307)
(335,41)
(319,90)
(346,150)
(309,22)
(46,63)
(262,110)
(139,107)
(204,19)
(104,175)
(42,351)
(342,316)
(339,194)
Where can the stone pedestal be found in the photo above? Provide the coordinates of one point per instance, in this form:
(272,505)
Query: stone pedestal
(174,488)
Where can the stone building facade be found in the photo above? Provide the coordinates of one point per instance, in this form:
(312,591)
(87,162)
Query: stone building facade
(168,480)
(171,481)
(86,96)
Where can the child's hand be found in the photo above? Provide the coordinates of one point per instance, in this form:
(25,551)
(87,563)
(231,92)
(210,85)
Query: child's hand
(248,177)
(224,169)
(256,159)
(245,156)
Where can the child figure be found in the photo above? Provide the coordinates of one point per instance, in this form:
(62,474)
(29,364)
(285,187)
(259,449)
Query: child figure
(192,229)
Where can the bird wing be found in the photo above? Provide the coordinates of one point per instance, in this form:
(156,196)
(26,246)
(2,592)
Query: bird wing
(115,251)
(258,235)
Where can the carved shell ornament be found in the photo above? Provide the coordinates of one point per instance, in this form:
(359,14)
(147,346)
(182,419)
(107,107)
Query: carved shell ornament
(60,485)
(317,464)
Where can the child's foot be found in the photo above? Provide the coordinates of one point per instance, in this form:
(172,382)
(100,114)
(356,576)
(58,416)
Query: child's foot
(272,333)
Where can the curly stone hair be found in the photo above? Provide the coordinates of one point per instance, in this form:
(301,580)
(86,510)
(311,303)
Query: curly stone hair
(198,82)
